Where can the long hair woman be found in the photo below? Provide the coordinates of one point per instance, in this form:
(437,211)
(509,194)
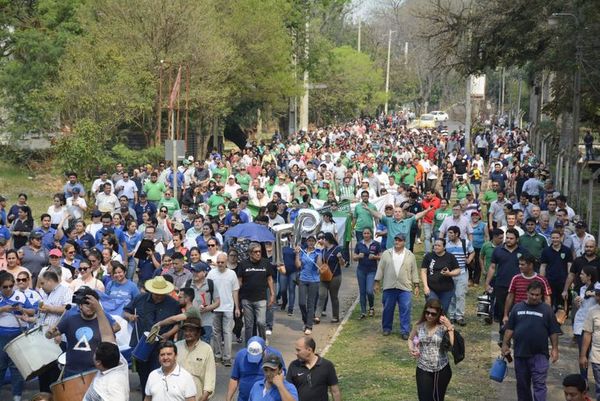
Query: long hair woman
(425,344)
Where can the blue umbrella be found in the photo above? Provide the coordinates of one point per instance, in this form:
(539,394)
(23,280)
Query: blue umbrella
(251,231)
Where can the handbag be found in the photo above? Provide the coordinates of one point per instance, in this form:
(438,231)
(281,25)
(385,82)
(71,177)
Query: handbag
(457,349)
(325,272)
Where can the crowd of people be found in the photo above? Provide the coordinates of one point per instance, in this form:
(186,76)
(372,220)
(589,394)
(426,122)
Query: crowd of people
(133,259)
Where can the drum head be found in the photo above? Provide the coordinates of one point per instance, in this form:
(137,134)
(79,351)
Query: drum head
(62,359)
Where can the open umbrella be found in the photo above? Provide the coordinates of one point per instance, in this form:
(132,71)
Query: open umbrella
(251,231)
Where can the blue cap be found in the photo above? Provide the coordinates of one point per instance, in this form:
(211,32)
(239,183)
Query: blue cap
(199,267)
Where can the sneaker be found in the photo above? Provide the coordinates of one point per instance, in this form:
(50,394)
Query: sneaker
(362,316)
(336,320)
(386,332)
(16,398)
(323,314)
(239,340)
(371,312)
(452,320)
(290,313)
(317,320)
(461,322)
(419,241)
(404,336)
(268,332)
(307,332)
(227,363)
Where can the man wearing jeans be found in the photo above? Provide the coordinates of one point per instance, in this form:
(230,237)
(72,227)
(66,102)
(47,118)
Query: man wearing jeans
(227,286)
(590,347)
(398,275)
(463,251)
(531,323)
(255,277)
(432,200)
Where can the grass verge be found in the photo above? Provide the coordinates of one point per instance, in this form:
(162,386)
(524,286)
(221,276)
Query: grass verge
(373,367)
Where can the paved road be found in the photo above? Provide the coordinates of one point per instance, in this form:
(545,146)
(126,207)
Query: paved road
(287,329)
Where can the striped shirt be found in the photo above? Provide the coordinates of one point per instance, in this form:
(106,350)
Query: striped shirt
(461,254)
(519,283)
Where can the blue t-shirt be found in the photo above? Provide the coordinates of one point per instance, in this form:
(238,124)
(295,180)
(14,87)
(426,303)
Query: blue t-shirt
(247,373)
(479,235)
(365,264)
(132,240)
(309,272)
(4,233)
(124,292)
(289,259)
(47,237)
(556,269)
(507,264)
(258,392)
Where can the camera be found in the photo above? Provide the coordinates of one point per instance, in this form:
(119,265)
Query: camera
(79,296)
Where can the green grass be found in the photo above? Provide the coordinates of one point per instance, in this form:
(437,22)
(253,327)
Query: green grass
(373,367)
(39,187)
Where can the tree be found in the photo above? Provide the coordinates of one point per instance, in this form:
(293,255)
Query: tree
(353,86)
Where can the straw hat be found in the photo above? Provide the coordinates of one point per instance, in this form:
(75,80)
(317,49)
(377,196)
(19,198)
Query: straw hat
(158,285)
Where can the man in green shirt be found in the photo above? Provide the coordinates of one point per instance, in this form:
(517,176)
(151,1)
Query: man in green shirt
(409,175)
(222,171)
(487,249)
(363,215)
(490,195)
(154,189)
(462,188)
(243,178)
(399,223)
(216,199)
(440,214)
(533,241)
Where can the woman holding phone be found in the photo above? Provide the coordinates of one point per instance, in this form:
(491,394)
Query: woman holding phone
(437,270)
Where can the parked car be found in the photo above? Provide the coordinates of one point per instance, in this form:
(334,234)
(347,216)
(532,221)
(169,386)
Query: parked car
(439,115)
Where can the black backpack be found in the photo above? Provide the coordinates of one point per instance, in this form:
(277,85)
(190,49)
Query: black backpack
(211,287)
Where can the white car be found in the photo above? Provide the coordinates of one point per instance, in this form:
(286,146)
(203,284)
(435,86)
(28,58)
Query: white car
(439,115)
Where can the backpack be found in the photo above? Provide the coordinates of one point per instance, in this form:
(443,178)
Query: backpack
(211,287)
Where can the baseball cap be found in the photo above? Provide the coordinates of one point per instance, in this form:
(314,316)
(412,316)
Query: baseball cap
(580,224)
(400,236)
(558,224)
(272,361)
(2,198)
(55,252)
(76,190)
(36,234)
(199,267)
(178,226)
(255,348)
(96,213)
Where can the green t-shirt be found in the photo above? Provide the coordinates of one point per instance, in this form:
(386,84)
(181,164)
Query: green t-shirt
(398,227)
(411,174)
(535,244)
(322,195)
(213,202)
(489,196)
(224,173)
(363,218)
(462,190)
(171,204)
(439,216)
(487,249)
(154,190)
(243,180)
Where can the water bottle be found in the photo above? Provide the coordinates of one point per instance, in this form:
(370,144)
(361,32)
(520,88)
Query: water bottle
(416,344)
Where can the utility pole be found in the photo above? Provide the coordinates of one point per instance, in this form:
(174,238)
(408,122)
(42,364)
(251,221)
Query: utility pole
(387,75)
(359,25)
(468,115)
(502,93)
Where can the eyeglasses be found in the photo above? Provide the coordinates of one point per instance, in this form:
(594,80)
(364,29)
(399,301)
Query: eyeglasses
(220,263)
(320,237)
(6,287)
(211,245)
(22,280)
(430,313)
(163,211)
(71,253)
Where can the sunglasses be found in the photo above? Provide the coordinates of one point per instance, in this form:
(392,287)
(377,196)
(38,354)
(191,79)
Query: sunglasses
(320,237)
(83,269)
(429,313)
(163,211)
(6,287)
(22,280)
(211,245)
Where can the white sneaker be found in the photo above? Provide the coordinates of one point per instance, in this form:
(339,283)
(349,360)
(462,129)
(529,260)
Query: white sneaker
(16,398)
(307,332)
(268,332)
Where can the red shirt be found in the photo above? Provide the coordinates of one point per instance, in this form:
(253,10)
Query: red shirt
(435,202)
(519,283)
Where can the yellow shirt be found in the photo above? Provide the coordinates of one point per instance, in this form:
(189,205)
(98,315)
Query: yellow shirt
(200,362)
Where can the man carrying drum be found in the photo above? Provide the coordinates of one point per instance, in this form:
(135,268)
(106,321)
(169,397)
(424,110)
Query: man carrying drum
(83,331)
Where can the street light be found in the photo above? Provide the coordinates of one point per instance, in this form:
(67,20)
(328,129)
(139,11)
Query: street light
(574,141)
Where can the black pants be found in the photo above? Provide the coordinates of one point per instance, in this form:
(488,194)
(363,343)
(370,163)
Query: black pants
(475,268)
(500,294)
(431,386)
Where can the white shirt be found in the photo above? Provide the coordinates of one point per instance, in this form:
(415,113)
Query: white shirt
(398,259)
(225,284)
(177,386)
(127,188)
(112,384)
(76,210)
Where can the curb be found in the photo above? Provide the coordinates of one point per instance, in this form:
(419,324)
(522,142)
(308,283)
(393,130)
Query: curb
(341,326)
